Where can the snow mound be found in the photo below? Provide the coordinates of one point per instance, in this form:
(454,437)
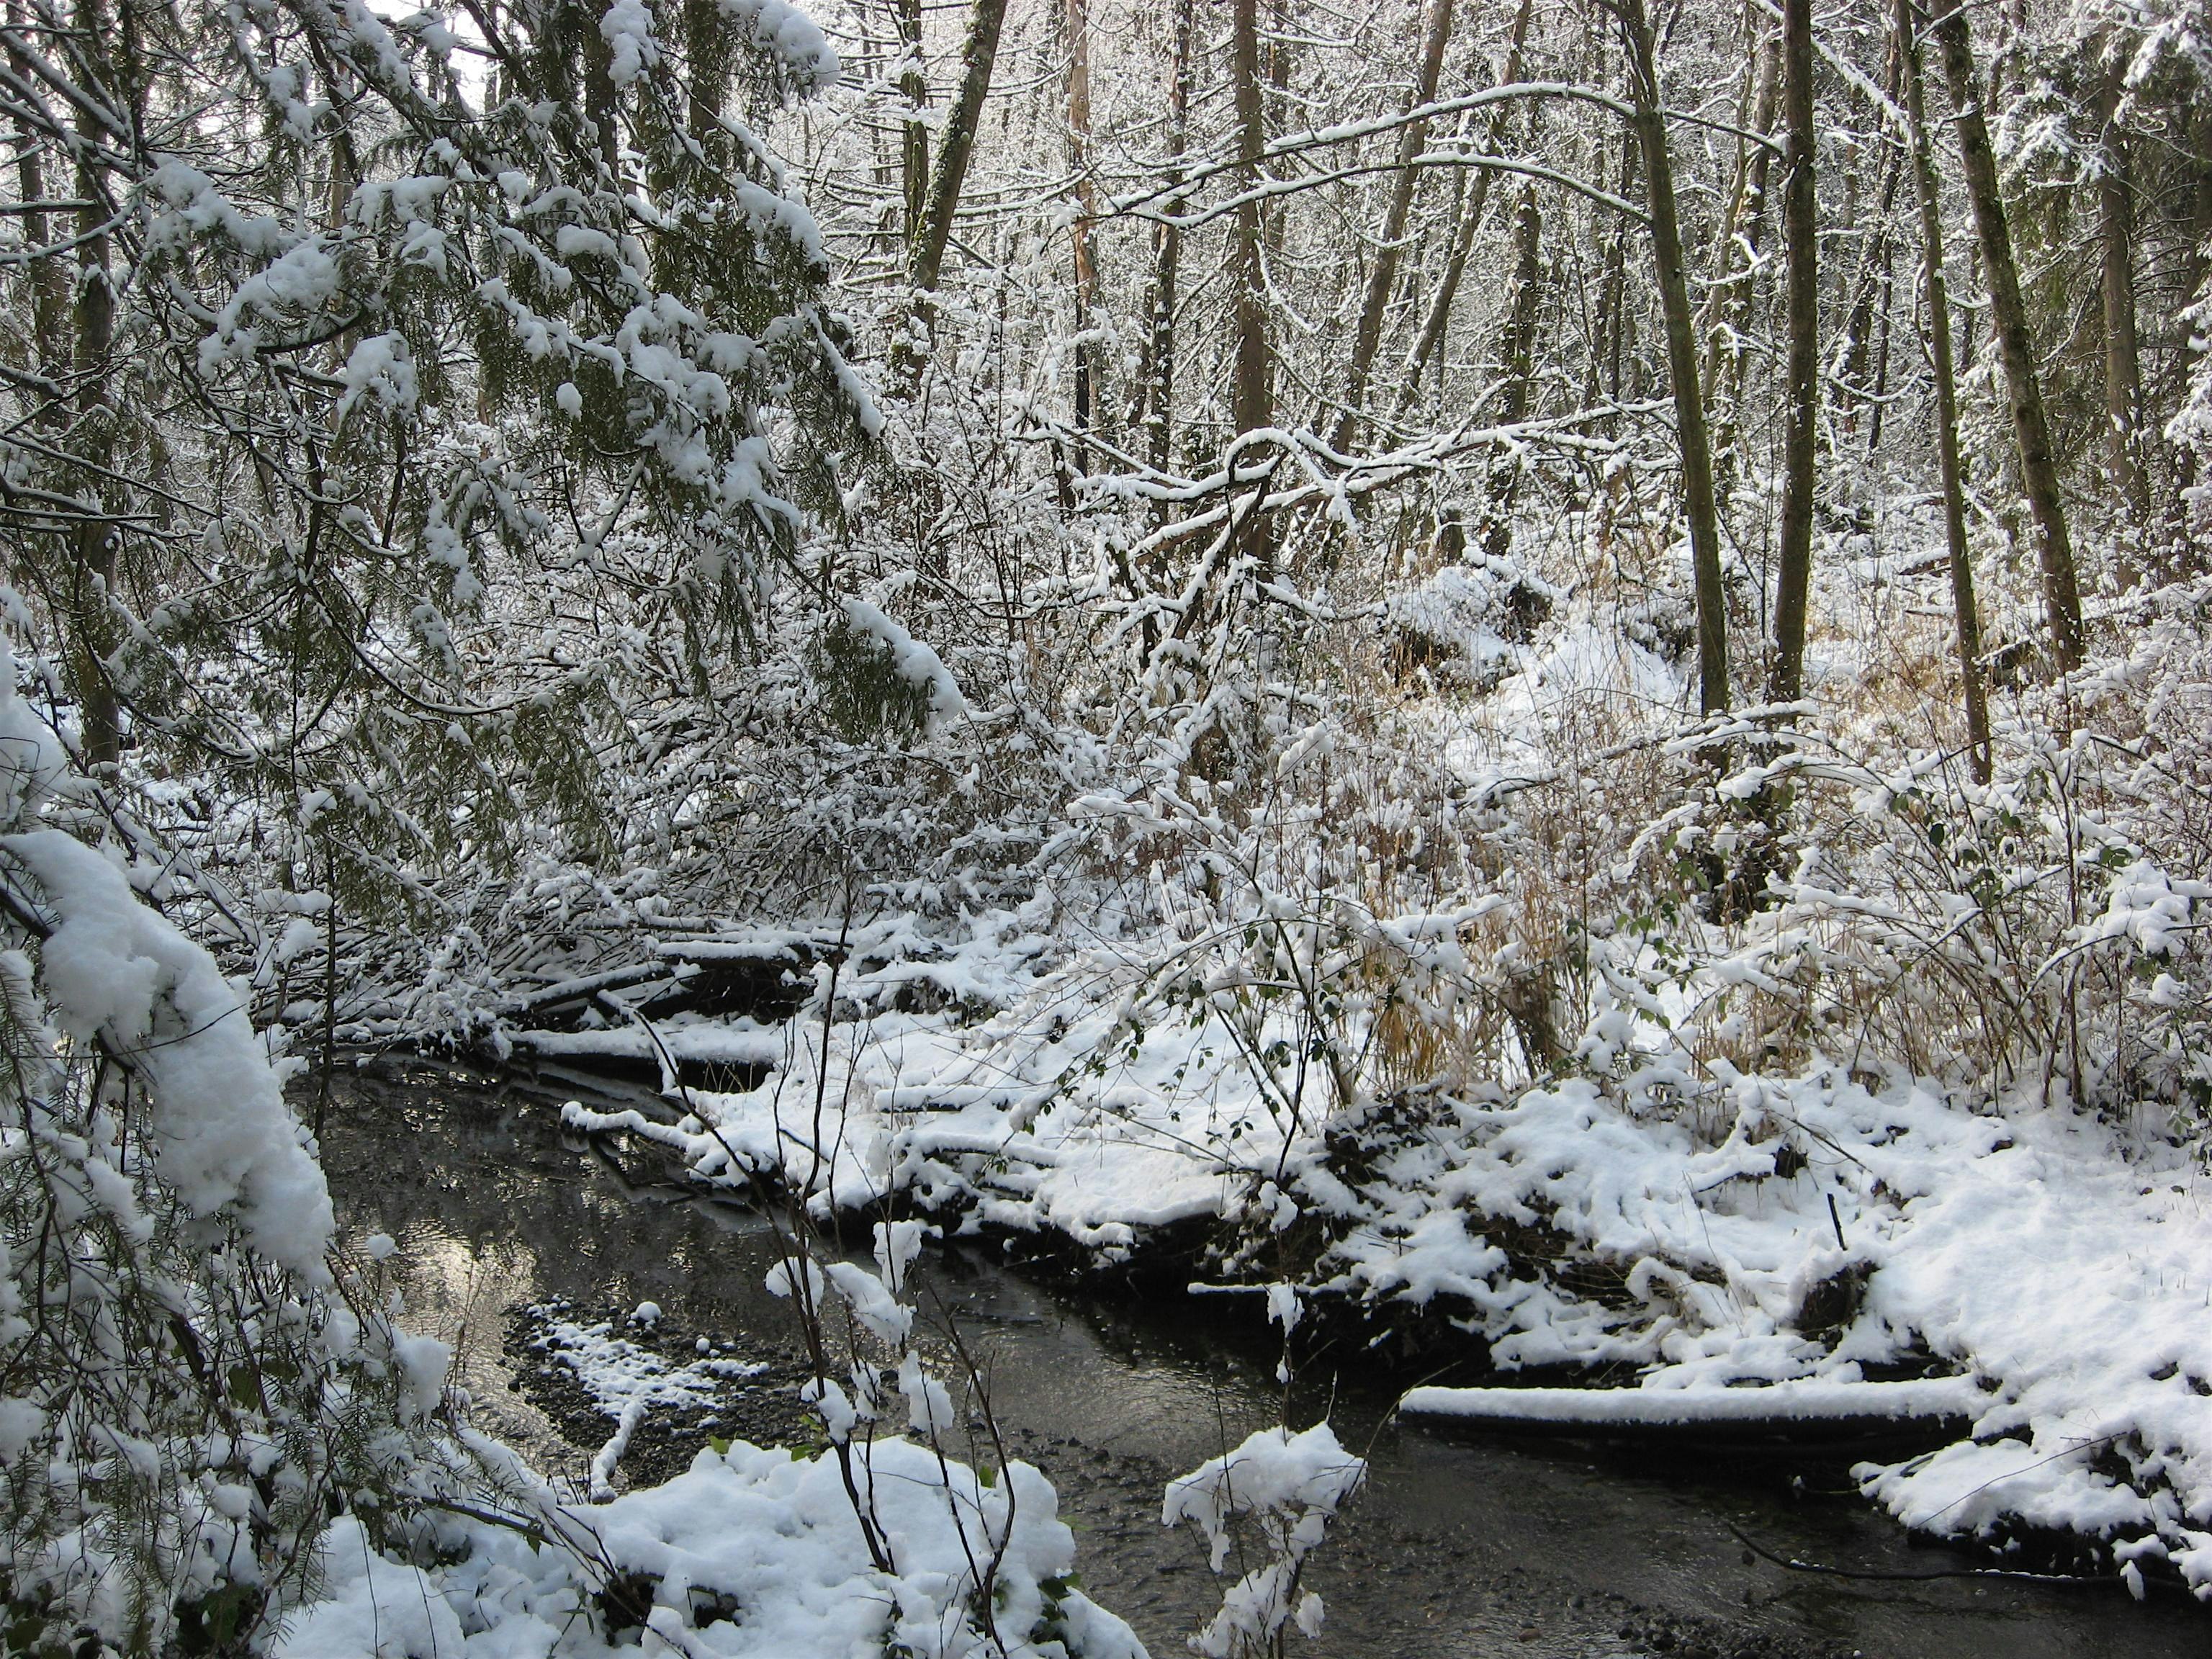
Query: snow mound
(1463,623)
(750,1554)
(2060,1260)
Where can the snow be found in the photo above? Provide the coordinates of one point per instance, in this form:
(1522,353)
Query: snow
(371,1607)
(1272,1469)
(2093,1335)
(701,1043)
(626,27)
(1044,1100)
(381,367)
(1779,1402)
(914,661)
(2150,908)
(791,37)
(1291,1486)
(1468,611)
(626,1381)
(224,1135)
(750,1554)
(1580,663)
(32,760)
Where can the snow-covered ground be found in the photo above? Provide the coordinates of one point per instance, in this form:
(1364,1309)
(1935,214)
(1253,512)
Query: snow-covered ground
(2055,1260)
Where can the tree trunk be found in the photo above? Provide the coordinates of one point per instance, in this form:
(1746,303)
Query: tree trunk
(1869,288)
(957,144)
(1884,303)
(2196,266)
(1167,254)
(1612,299)
(2015,346)
(93,536)
(49,294)
(1947,395)
(1383,278)
(1087,205)
(1430,345)
(1650,123)
(914,136)
(1801,232)
(1252,394)
(1517,356)
(1728,310)
(2123,369)
(599,96)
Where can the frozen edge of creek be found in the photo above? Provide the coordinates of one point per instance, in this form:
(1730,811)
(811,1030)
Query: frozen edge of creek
(1563,1549)
(1972,1456)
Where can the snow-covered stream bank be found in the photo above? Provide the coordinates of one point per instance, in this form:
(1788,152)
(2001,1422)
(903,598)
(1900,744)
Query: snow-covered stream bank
(1456,1547)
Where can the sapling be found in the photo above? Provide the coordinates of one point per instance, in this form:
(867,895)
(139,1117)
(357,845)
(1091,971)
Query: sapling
(1286,1488)
(880,1365)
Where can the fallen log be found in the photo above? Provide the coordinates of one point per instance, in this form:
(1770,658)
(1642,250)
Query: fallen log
(1805,1414)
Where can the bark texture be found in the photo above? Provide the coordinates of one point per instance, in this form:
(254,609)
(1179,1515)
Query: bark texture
(978,56)
(1649,122)
(1972,685)
(1801,234)
(1382,276)
(2039,468)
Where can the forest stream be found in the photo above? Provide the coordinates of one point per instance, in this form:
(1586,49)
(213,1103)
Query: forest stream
(1456,1546)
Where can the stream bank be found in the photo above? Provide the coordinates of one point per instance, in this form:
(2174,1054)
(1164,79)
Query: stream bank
(1458,1546)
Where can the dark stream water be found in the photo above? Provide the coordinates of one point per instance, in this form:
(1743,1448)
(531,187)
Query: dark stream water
(1456,1547)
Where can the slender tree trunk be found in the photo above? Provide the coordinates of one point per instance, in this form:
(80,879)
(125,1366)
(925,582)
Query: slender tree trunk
(1167,256)
(1800,231)
(93,536)
(1885,319)
(1650,123)
(1087,205)
(1612,298)
(2122,364)
(1728,310)
(1946,394)
(2015,346)
(48,291)
(1382,276)
(2196,247)
(914,135)
(1880,304)
(1429,346)
(2196,266)
(957,144)
(1869,284)
(599,96)
(1252,392)
(1517,356)
(49,337)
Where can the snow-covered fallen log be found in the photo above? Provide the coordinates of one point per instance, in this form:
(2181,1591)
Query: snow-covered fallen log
(1807,1404)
